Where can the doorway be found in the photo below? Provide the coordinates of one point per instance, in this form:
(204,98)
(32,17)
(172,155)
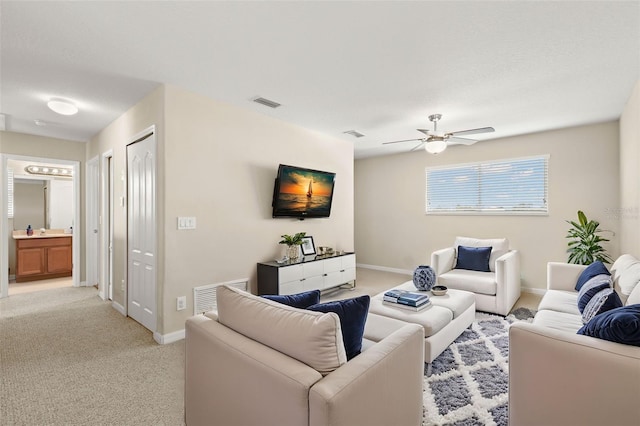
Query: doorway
(106,229)
(45,168)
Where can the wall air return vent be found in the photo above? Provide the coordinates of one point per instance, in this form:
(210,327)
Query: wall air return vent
(266,102)
(204,297)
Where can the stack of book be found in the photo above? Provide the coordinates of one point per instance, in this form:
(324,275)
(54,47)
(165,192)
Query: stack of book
(405,299)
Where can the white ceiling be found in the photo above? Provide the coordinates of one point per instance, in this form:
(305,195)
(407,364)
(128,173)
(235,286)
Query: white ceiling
(379,68)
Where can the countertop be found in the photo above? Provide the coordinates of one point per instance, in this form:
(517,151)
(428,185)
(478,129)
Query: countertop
(49,233)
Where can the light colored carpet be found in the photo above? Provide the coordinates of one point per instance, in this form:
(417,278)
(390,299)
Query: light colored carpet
(68,358)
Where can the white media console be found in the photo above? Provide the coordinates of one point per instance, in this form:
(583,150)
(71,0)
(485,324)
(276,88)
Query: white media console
(307,273)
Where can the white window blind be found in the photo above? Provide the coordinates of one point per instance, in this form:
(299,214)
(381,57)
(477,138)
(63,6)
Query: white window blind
(514,186)
(10,192)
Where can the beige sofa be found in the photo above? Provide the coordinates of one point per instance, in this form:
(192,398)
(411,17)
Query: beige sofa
(558,377)
(258,362)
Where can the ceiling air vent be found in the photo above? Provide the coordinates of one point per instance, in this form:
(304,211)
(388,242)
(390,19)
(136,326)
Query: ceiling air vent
(266,102)
(353,133)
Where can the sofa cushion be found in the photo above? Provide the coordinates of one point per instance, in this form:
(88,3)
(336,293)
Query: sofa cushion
(621,325)
(499,247)
(353,315)
(314,338)
(603,301)
(596,268)
(298,300)
(626,275)
(560,301)
(558,320)
(473,258)
(591,288)
(473,281)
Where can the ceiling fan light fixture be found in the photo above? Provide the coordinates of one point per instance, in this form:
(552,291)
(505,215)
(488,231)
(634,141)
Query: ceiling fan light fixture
(435,146)
(62,107)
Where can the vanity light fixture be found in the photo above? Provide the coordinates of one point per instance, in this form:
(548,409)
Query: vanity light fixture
(62,106)
(57,171)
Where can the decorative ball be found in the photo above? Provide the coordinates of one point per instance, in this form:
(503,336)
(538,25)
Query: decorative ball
(424,277)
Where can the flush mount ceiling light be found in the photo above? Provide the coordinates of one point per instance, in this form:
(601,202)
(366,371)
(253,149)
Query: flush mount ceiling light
(62,106)
(49,171)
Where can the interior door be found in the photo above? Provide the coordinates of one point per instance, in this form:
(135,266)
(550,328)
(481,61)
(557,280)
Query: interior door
(141,231)
(92,253)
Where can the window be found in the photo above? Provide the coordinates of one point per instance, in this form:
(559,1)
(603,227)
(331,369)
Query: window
(515,186)
(10,192)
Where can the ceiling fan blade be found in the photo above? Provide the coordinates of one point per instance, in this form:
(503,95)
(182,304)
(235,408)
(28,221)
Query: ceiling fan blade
(425,131)
(404,140)
(473,131)
(415,148)
(460,141)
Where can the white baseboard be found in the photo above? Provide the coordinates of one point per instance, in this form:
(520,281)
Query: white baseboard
(164,339)
(533,290)
(118,307)
(385,269)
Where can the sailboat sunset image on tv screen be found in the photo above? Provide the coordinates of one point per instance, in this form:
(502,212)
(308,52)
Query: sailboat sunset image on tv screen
(301,192)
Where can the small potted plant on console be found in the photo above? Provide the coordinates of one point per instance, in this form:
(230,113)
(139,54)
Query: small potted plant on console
(293,243)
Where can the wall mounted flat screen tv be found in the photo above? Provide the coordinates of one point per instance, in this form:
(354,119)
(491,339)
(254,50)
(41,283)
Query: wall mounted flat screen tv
(302,193)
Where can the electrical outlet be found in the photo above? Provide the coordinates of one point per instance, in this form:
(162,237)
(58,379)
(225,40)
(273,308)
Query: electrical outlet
(181,303)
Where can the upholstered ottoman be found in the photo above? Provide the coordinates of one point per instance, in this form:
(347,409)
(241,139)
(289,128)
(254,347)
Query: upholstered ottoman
(443,321)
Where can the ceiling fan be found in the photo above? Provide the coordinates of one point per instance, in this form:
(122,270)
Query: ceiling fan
(436,142)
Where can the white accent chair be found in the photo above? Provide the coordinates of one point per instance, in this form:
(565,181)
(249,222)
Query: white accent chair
(495,291)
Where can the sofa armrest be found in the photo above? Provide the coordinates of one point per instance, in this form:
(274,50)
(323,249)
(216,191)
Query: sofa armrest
(508,281)
(442,260)
(563,276)
(225,371)
(386,378)
(561,378)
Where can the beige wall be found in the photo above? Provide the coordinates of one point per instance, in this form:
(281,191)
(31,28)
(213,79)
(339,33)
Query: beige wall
(630,175)
(220,166)
(393,231)
(115,137)
(56,149)
(218,163)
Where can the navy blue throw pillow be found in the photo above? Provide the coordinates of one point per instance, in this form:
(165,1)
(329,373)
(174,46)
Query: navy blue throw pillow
(596,268)
(299,300)
(473,258)
(591,288)
(353,315)
(621,325)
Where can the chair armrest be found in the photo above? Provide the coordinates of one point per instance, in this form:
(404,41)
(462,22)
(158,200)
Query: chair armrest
(442,260)
(561,378)
(508,281)
(563,276)
(381,386)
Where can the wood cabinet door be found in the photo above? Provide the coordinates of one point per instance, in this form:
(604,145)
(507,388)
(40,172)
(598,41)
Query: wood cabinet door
(59,259)
(30,261)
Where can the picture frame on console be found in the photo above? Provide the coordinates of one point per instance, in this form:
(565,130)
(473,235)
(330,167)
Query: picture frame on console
(308,248)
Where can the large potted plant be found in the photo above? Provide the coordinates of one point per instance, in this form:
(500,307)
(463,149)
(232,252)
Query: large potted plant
(293,243)
(585,246)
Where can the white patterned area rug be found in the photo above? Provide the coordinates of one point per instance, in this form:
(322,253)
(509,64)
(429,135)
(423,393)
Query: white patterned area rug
(469,381)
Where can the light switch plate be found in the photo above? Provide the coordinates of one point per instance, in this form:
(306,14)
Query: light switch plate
(186,222)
